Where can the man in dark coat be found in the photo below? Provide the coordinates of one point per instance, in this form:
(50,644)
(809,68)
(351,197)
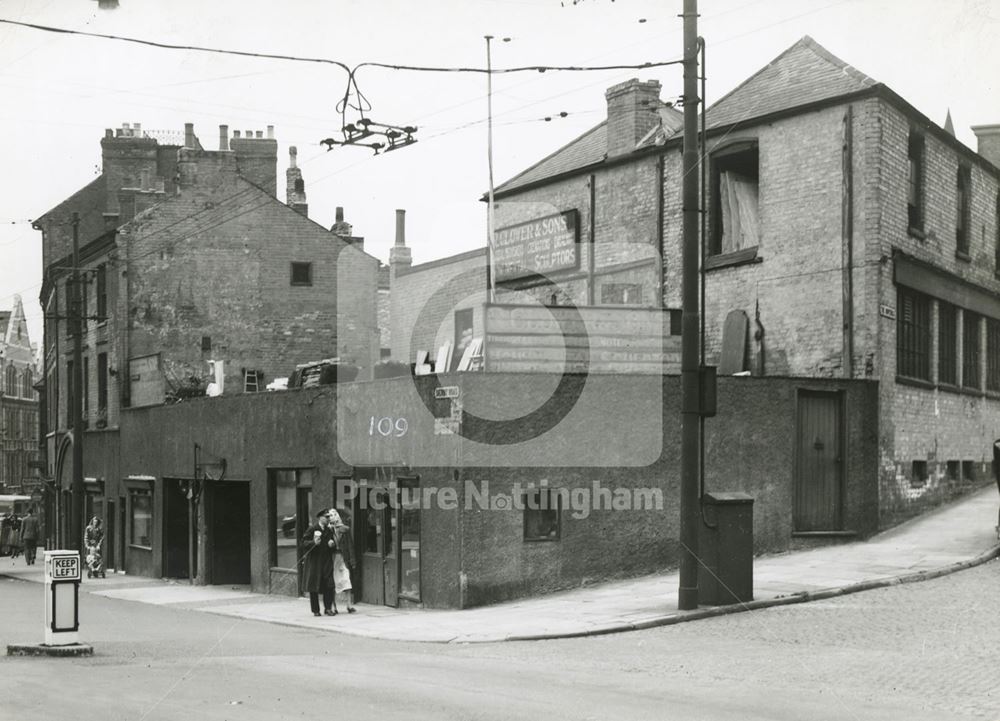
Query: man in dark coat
(317,548)
(30,532)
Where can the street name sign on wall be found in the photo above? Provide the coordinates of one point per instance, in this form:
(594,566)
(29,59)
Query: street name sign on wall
(538,246)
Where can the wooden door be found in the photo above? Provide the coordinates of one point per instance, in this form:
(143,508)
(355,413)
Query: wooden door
(230,528)
(372,522)
(818,462)
(176,529)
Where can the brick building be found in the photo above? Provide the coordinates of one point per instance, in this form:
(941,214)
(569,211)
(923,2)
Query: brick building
(18,401)
(848,236)
(196,280)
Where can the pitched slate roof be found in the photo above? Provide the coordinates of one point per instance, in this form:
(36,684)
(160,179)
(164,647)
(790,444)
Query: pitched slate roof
(587,149)
(804,73)
(90,202)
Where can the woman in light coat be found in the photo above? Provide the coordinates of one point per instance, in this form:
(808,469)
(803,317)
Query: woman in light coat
(343,559)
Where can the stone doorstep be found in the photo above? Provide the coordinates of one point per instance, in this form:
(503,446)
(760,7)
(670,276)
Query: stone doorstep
(40,649)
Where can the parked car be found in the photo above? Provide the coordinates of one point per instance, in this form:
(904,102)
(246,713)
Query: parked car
(288,526)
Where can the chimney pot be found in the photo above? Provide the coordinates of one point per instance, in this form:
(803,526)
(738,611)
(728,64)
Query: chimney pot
(137,129)
(260,133)
(236,133)
(188,135)
(270,132)
(109,133)
(223,137)
(293,153)
(248,134)
(340,214)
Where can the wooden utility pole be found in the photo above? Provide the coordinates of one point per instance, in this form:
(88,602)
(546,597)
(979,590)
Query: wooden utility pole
(687,593)
(76,400)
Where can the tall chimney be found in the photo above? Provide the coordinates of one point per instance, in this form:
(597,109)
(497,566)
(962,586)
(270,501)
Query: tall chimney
(989,142)
(400,228)
(223,137)
(399,254)
(633,110)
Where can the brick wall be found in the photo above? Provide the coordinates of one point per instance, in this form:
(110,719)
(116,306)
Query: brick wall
(216,263)
(624,232)
(930,425)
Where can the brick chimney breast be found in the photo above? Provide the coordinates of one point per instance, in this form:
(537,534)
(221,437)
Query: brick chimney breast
(632,112)
(988,137)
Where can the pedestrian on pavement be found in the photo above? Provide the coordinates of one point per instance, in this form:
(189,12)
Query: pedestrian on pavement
(343,559)
(30,531)
(7,534)
(317,547)
(15,535)
(94,539)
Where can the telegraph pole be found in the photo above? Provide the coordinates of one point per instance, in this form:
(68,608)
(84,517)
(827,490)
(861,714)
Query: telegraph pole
(687,593)
(76,404)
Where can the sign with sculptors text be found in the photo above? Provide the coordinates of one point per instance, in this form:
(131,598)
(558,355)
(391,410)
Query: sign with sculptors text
(538,246)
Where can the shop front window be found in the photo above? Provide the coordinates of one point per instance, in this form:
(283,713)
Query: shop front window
(141,503)
(291,504)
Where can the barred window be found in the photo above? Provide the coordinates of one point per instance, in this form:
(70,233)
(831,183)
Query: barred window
(947,343)
(992,354)
(970,350)
(913,334)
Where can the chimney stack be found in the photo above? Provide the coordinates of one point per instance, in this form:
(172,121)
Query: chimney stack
(223,137)
(340,227)
(295,188)
(988,137)
(188,135)
(256,159)
(633,110)
(399,254)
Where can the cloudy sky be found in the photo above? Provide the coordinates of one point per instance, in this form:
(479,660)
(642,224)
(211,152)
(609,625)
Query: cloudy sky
(61,91)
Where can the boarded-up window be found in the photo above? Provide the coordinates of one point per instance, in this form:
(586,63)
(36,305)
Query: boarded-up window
(913,335)
(735,199)
(621,293)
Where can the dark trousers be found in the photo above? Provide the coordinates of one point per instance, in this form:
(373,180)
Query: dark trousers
(327,600)
(29,550)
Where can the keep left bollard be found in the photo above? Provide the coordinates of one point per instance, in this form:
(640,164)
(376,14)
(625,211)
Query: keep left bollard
(62,609)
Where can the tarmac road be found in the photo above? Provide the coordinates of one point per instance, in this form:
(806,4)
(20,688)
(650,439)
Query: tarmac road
(918,651)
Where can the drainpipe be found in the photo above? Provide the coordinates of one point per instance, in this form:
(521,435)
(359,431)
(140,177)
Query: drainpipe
(847,231)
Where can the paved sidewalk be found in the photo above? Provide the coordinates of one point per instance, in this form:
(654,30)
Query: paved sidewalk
(947,539)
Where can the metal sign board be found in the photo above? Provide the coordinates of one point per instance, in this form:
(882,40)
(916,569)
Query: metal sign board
(887,311)
(446,392)
(65,568)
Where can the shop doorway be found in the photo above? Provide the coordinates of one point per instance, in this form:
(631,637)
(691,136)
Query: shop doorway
(176,529)
(388,523)
(229,532)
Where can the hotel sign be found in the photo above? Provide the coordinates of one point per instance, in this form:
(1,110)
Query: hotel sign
(539,246)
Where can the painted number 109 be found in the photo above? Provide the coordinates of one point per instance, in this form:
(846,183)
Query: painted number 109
(387,427)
